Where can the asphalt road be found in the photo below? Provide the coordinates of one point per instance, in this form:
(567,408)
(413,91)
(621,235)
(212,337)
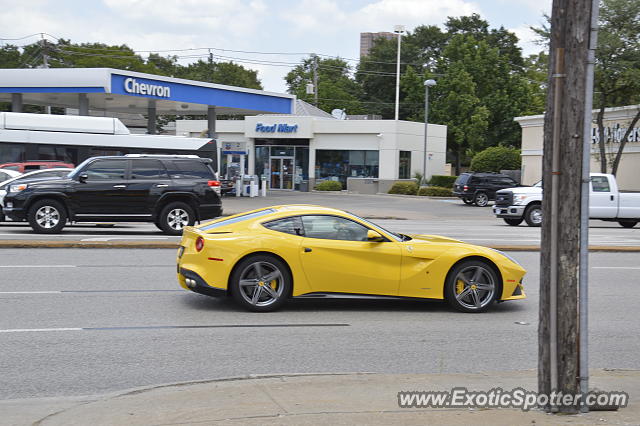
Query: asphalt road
(402,214)
(87,321)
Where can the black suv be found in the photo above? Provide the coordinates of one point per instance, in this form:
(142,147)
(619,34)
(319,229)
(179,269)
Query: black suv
(170,191)
(480,188)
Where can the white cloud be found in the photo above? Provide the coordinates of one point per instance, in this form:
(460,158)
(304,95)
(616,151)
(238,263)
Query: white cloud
(526,39)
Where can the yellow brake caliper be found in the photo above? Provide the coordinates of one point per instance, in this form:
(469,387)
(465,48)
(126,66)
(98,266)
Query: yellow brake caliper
(459,286)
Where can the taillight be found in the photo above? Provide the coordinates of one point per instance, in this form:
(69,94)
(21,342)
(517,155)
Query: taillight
(199,244)
(213,183)
(465,188)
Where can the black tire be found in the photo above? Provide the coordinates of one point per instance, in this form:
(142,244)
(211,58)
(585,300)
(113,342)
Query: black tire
(248,271)
(533,215)
(513,222)
(455,286)
(175,216)
(467,201)
(47,216)
(627,223)
(481,199)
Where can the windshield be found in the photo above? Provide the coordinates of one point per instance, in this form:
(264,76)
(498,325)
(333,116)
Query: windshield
(78,168)
(538,184)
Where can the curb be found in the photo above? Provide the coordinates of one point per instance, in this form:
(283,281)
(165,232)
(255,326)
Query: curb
(175,245)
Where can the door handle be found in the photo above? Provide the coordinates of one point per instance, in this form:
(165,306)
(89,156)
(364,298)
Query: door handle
(307,250)
(611,197)
(161,185)
(119,186)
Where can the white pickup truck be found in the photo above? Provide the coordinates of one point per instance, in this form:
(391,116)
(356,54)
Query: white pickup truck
(606,202)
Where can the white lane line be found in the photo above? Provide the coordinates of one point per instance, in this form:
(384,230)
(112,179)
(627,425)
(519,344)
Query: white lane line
(38,266)
(124,238)
(615,267)
(24,330)
(30,292)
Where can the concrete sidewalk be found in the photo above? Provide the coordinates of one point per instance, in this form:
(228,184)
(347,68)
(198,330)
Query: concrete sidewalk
(334,399)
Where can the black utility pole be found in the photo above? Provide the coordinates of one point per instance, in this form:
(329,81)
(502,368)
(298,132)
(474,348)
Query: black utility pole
(564,132)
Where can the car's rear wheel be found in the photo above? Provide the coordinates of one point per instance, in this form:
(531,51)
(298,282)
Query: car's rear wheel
(533,215)
(472,286)
(627,223)
(481,199)
(467,200)
(513,222)
(47,216)
(261,283)
(174,217)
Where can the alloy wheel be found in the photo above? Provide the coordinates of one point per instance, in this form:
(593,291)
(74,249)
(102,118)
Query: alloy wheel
(178,219)
(47,217)
(474,287)
(261,283)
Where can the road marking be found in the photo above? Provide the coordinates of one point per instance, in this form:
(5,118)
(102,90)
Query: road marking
(90,291)
(103,239)
(166,327)
(30,292)
(38,266)
(615,267)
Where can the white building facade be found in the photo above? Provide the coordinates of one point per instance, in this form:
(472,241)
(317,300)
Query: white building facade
(616,121)
(296,152)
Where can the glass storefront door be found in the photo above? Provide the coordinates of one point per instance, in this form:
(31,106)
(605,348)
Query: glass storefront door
(282,173)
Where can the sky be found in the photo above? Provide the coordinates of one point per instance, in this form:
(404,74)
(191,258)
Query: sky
(282,31)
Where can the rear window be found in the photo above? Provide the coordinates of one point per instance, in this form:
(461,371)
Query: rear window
(190,169)
(462,179)
(236,219)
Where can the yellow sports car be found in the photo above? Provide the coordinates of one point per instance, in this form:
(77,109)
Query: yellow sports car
(263,257)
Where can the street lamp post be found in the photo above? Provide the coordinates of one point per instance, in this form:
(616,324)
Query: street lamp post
(427,84)
(398,29)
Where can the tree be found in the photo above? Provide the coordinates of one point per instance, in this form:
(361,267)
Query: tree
(336,87)
(457,106)
(495,159)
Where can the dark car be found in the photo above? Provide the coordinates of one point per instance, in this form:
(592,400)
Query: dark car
(480,188)
(170,191)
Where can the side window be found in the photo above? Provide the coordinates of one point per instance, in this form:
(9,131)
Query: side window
(333,228)
(106,170)
(289,225)
(148,169)
(600,184)
(190,169)
(3,176)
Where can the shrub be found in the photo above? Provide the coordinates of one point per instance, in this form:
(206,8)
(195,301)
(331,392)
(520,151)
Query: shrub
(406,188)
(435,191)
(442,180)
(495,159)
(329,185)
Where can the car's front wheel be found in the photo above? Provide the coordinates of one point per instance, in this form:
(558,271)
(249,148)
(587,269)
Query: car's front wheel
(472,286)
(47,216)
(627,223)
(533,215)
(481,199)
(261,283)
(513,222)
(174,217)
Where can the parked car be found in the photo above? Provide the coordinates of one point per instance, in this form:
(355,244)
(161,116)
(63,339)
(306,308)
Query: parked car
(606,202)
(8,174)
(26,179)
(263,257)
(170,191)
(480,188)
(26,166)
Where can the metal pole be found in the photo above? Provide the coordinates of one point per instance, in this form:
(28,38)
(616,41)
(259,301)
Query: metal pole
(315,80)
(399,30)
(583,283)
(555,174)
(426,128)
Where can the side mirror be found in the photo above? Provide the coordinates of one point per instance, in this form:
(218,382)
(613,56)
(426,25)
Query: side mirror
(374,237)
(83,178)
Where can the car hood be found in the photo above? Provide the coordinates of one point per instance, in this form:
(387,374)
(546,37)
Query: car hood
(434,238)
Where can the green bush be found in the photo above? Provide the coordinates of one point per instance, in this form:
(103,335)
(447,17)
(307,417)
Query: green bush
(329,185)
(495,159)
(442,180)
(406,188)
(435,191)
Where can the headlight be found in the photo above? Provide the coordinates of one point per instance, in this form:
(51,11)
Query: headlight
(507,256)
(17,188)
(519,199)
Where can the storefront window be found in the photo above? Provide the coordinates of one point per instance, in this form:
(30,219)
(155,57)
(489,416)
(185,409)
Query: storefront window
(12,153)
(59,153)
(262,161)
(404,171)
(341,164)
